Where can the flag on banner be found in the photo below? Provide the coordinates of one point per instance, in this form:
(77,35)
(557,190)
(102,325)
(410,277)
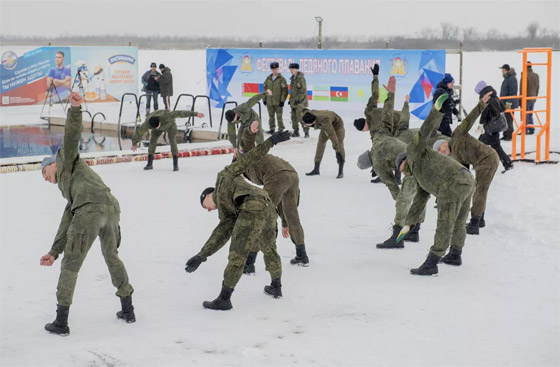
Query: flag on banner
(251,89)
(309,95)
(339,94)
(358,94)
(321,93)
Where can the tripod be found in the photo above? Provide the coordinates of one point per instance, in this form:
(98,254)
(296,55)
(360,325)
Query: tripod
(78,80)
(48,98)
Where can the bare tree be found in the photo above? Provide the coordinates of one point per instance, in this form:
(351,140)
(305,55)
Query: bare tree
(449,31)
(470,34)
(532,30)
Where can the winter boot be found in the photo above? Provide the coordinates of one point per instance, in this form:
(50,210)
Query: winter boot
(301,258)
(150,162)
(392,241)
(414,234)
(453,257)
(473,225)
(175,163)
(340,170)
(60,325)
(271,131)
(274,289)
(315,170)
(127,312)
(295,134)
(249,268)
(482,222)
(429,267)
(222,303)
(306,134)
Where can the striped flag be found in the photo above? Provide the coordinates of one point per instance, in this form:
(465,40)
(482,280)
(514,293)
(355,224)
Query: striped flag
(339,94)
(251,89)
(321,93)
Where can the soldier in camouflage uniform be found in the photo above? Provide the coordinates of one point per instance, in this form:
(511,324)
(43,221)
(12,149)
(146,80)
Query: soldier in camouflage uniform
(158,122)
(332,128)
(277,85)
(469,151)
(452,185)
(244,115)
(248,217)
(298,99)
(91,211)
(281,182)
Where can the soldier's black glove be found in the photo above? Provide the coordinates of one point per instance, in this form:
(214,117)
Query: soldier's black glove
(375,69)
(264,103)
(279,136)
(296,103)
(193,263)
(339,158)
(281,104)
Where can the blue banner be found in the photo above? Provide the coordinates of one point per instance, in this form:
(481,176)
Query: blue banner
(336,79)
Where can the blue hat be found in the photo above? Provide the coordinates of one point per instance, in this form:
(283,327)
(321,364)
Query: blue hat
(48,161)
(447,78)
(480,86)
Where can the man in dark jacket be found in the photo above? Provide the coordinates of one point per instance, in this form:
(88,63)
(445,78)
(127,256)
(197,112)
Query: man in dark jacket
(151,86)
(166,85)
(532,91)
(490,113)
(449,109)
(509,88)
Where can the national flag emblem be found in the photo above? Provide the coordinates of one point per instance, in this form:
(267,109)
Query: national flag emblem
(309,95)
(251,89)
(339,94)
(321,93)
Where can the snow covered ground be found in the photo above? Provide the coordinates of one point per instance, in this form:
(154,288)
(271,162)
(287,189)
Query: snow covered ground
(355,305)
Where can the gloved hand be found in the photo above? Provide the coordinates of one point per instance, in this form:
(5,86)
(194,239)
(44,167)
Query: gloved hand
(375,69)
(264,102)
(339,158)
(281,104)
(193,263)
(280,136)
(403,233)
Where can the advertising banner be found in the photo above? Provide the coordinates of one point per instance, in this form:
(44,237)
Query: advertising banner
(100,74)
(338,80)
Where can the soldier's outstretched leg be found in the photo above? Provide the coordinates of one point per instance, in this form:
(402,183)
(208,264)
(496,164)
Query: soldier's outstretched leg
(459,230)
(268,247)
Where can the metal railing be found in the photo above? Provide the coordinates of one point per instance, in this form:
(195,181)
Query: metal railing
(119,132)
(93,118)
(223,114)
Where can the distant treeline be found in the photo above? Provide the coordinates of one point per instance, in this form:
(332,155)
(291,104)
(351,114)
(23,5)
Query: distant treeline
(448,36)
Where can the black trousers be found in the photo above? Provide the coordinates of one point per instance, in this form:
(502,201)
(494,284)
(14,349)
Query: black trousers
(494,141)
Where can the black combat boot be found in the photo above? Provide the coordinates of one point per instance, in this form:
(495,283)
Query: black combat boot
(429,267)
(274,289)
(340,170)
(315,170)
(175,163)
(222,303)
(249,268)
(473,225)
(60,325)
(150,162)
(453,257)
(127,312)
(392,241)
(482,222)
(271,131)
(301,258)
(295,134)
(414,234)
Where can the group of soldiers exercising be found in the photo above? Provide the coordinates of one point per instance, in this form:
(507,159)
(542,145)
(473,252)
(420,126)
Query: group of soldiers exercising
(428,163)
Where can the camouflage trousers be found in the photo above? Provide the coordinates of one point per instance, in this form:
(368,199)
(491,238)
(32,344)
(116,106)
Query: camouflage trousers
(453,204)
(483,179)
(89,222)
(296,119)
(171,137)
(284,193)
(322,144)
(404,201)
(275,113)
(242,126)
(255,229)
(384,152)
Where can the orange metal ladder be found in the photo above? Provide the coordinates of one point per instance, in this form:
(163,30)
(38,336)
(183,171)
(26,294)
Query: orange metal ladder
(540,128)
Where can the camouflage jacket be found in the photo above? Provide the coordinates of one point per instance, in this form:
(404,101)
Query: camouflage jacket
(328,122)
(246,117)
(298,91)
(167,120)
(279,88)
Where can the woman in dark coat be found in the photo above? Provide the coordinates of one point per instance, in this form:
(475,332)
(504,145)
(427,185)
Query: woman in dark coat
(495,107)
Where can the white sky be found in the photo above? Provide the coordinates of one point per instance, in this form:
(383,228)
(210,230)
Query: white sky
(269,19)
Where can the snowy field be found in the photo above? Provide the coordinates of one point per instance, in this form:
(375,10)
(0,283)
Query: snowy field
(355,305)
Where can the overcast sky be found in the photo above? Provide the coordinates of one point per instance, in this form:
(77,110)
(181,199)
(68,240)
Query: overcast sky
(269,19)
